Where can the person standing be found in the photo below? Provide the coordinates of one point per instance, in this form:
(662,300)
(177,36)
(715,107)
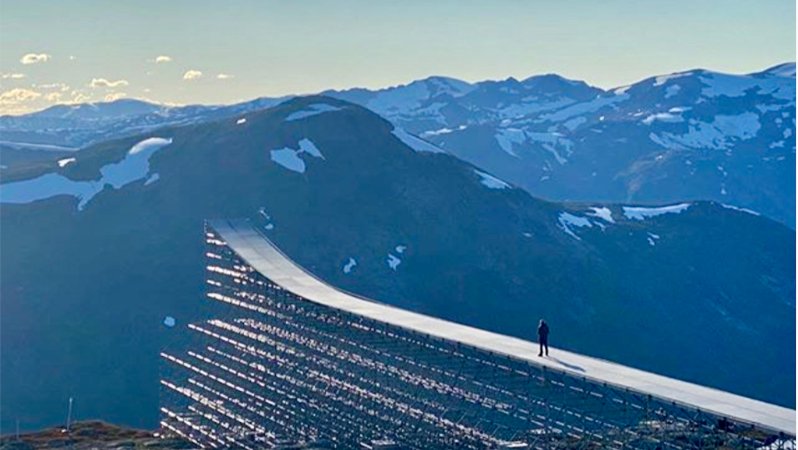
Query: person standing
(543,337)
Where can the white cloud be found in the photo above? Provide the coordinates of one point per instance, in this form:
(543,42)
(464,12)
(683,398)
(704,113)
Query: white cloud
(78,97)
(163,59)
(17,96)
(68,97)
(13,76)
(114,96)
(33,58)
(192,75)
(224,76)
(23,101)
(102,82)
(63,87)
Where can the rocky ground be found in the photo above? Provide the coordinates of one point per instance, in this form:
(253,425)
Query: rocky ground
(90,435)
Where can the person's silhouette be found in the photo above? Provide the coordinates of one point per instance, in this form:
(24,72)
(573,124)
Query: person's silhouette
(543,337)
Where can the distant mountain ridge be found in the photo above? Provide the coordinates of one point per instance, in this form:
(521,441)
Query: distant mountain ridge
(98,250)
(684,136)
(76,126)
(693,135)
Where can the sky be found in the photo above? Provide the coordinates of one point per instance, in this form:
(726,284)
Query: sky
(198,51)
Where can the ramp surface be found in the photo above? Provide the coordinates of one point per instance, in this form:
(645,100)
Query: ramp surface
(259,252)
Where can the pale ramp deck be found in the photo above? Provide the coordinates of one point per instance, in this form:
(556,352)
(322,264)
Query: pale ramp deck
(266,258)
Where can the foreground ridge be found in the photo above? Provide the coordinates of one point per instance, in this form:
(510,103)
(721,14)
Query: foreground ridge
(293,360)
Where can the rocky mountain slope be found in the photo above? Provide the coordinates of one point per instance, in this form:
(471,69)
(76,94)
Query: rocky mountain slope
(98,250)
(684,136)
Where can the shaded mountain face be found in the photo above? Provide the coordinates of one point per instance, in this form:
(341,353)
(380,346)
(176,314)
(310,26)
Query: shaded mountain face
(99,251)
(690,135)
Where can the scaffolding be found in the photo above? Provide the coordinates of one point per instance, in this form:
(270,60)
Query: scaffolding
(276,370)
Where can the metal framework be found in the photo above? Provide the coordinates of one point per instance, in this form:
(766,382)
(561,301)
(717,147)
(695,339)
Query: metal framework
(276,370)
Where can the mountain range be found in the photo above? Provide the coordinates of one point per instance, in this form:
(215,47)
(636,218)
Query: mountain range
(693,135)
(100,246)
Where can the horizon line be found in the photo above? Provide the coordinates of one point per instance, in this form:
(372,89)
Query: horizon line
(377,89)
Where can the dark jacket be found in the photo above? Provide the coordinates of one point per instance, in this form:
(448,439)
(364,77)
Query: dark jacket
(543,331)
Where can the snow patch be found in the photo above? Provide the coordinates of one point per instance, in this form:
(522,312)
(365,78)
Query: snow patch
(349,265)
(584,108)
(400,249)
(672,90)
(305,145)
(490,181)
(289,158)
(557,156)
(621,90)
(507,137)
(152,179)
(441,131)
(312,110)
(768,108)
(642,213)
(393,261)
(552,142)
(652,238)
(47,186)
(662,79)
(266,217)
(65,162)
(602,213)
(737,208)
(574,123)
(777,144)
(415,142)
(169,321)
(568,220)
(663,117)
(405,99)
(241,121)
(135,166)
(719,84)
(716,135)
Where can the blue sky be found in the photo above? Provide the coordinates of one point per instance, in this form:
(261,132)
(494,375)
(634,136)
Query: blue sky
(241,49)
